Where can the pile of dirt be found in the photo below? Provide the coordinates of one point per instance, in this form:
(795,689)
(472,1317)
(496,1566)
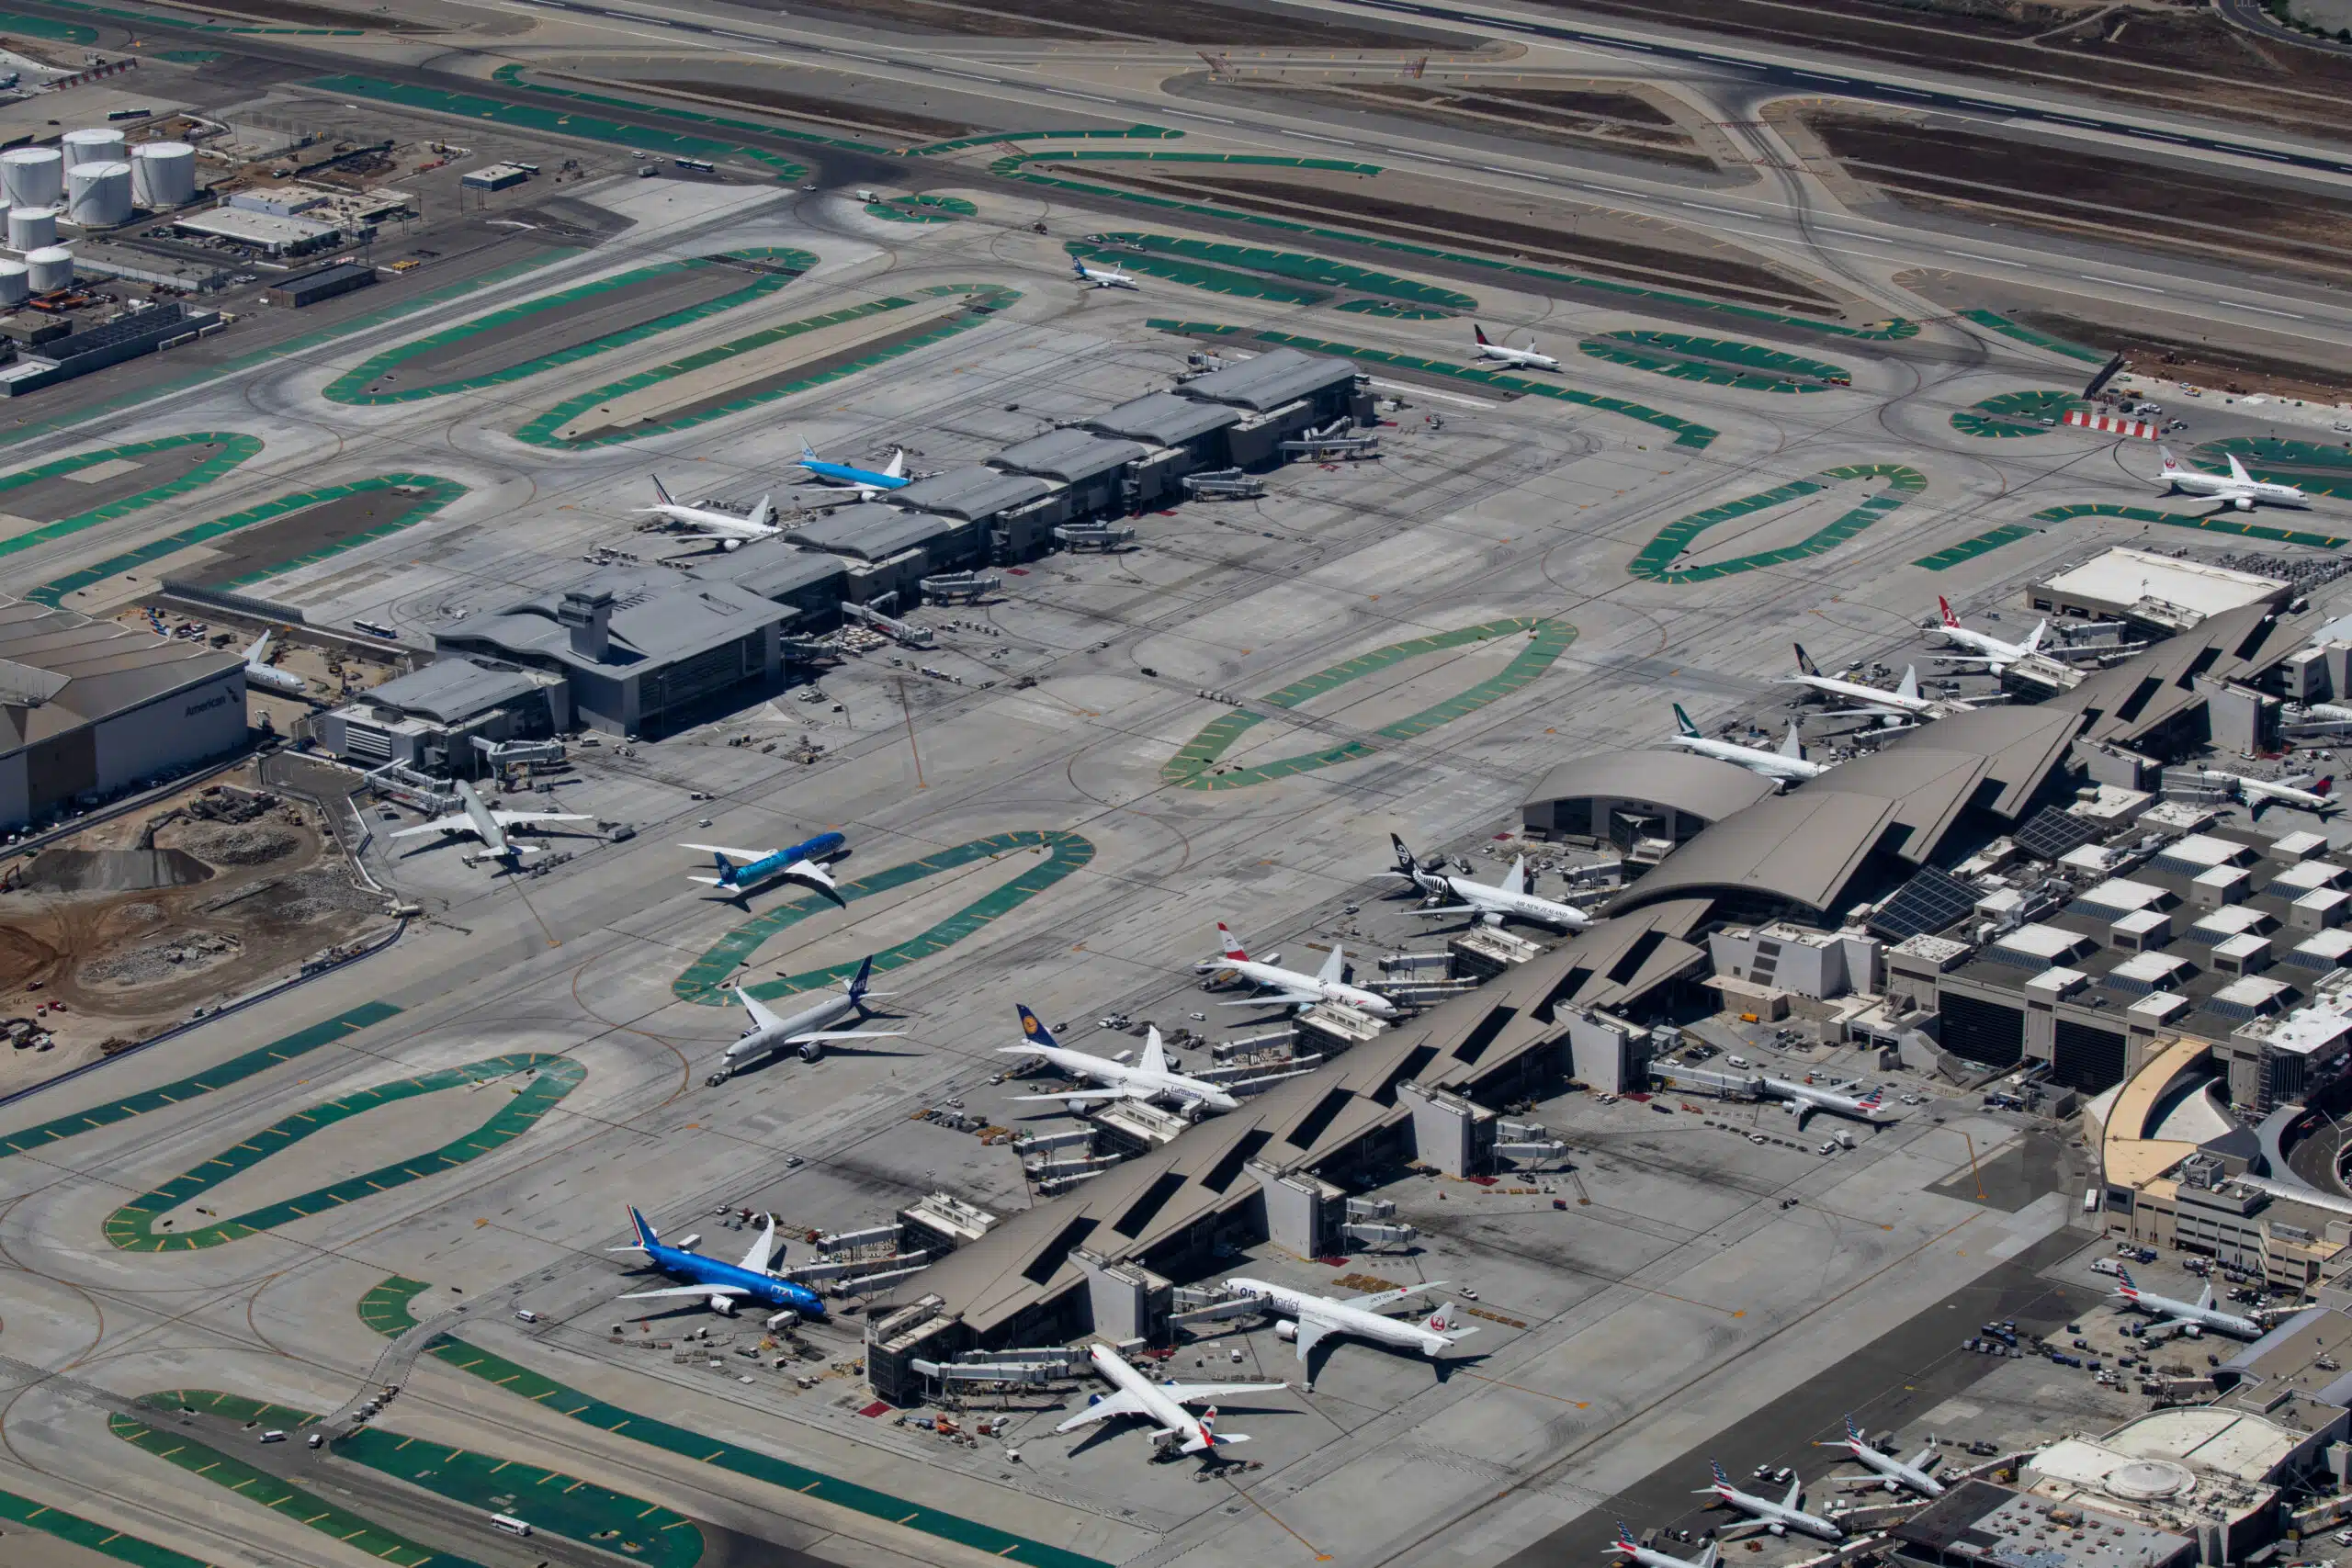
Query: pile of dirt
(112,871)
(251,843)
(166,958)
(22,955)
(287,902)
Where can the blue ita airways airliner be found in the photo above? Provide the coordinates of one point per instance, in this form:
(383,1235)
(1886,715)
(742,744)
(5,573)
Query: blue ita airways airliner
(722,1285)
(747,871)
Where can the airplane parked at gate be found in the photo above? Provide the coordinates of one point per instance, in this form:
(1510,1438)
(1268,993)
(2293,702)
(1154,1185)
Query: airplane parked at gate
(2191,1316)
(1905,702)
(804,862)
(722,1285)
(1293,988)
(805,1031)
(2241,490)
(1801,1100)
(2289,791)
(1521,358)
(1312,1318)
(1509,899)
(1786,765)
(1163,1403)
(1630,1550)
(1765,1516)
(1102,276)
(730,530)
(1993,652)
(488,825)
(259,671)
(1918,1476)
(1150,1077)
(866,482)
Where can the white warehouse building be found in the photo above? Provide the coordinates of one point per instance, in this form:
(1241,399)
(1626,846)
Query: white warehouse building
(90,708)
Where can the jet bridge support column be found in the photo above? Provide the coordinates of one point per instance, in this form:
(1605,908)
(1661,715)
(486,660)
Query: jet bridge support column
(1300,1216)
(1449,1131)
(1130,1302)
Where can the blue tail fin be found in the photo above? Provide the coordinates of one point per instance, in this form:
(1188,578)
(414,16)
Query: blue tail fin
(1721,1478)
(1032,1030)
(863,979)
(1804,661)
(645,1236)
(725,869)
(1851,1435)
(2124,1275)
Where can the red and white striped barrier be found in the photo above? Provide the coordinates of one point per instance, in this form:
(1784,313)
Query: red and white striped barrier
(2109,424)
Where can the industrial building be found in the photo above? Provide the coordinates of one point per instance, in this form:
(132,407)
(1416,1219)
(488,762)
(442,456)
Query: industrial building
(111,342)
(319,283)
(428,719)
(271,233)
(89,709)
(2156,593)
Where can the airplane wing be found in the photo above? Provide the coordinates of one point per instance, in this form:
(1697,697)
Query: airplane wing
(1379,1299)
(1278,998)
(1080,1094)
(1746,1527)
(762,1015)
(762,1250)
(1121,1404)
(744,855)
(1804,1114)
(2205,1298)
(809,871)
(846,1035)
(1201,1392)
(1449,909)
(737,1291)
(462,823)
(1335,966)
(1311,1331)
(1796,1493)
(1239,1084)
(516,818)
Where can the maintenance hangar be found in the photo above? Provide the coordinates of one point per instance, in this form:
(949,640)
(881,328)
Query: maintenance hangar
(1646,802)
(428,718)
(640,653)
(1104,1255)
(89,709)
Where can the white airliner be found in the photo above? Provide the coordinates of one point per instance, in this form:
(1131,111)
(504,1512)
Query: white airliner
(1801,1100)
(1524,358)
(1786,765)
(1903,702)
(1163,1403)
(1149,1079)
(1509,899)
(805,1031)
(1311,1318)
(724,526)
(1993,653)
(2194,1316)
(1766,1516)
(490,826)
(2289,791)
(259,671)
(1102,276)
(1293,988)
(1919,1475)
(2241,490)
(1628,1549)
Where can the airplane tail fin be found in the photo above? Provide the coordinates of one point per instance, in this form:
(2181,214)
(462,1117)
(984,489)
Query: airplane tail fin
(2124,1278)
(1852,1436)
(1032,1030)
(1872,1101)
(2172,464)
(2325,784)
(1624,1542)
(1682,725)
(664,492)
(808,453)
(862,979)
(726,878)
(1717,1466)
(1944,604)
(1232,946)
(1405,861)
(1707,1558)
(1480,334)
(645,1234)
(1805,660)
(1078,269)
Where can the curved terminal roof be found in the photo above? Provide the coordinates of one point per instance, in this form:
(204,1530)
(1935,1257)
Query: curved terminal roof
(1699,785)
(1805,848)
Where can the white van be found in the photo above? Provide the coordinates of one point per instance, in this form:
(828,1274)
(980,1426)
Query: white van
(2105,1266)
(1735,1062)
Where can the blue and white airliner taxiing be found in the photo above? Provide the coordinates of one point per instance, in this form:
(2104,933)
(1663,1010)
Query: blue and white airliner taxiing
(744,872)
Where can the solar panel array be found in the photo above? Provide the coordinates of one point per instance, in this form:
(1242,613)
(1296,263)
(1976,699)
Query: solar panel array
(2051,833)
(1928,902)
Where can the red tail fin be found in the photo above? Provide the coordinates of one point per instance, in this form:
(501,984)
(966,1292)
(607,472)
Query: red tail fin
(2325,784)
(1232,947)
(1479,332)
(1945,605)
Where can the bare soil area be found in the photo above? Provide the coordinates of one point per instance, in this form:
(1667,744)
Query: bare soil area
(1617,122)
(1575,239)
(2222,366)
(841,114)
(1204,22)
(310,14)
(2169,57)
(140,921)
(1931,163)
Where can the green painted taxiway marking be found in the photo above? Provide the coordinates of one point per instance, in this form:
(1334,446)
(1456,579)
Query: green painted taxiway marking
(1655,561)
(235,448)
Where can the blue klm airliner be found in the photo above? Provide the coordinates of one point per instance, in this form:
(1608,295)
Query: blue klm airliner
(722,1284)
(801,862)
(867,483)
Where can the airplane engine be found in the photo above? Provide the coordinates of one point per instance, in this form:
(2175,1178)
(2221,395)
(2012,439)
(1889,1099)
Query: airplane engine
(2243,503)
(1287,1331)
(811,1050)
(1778,1529)
(730,543)
(1075,1107)
(2193,1330)
(723,1305)
(1889,1485)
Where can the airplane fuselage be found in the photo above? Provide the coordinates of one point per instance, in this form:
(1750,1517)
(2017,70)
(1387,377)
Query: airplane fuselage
(1138,1082)
(1803,1094)
(759,1042)
(1754,758)
(1523,358)
(1781,1517)
(859,478)
(2244,496)
(1489,900)
(821,847)
(1854,691)
(2220,1322)
(1277,978)
(693,1269)
(1909,1477)
(1169,1416)
(1357,1322)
